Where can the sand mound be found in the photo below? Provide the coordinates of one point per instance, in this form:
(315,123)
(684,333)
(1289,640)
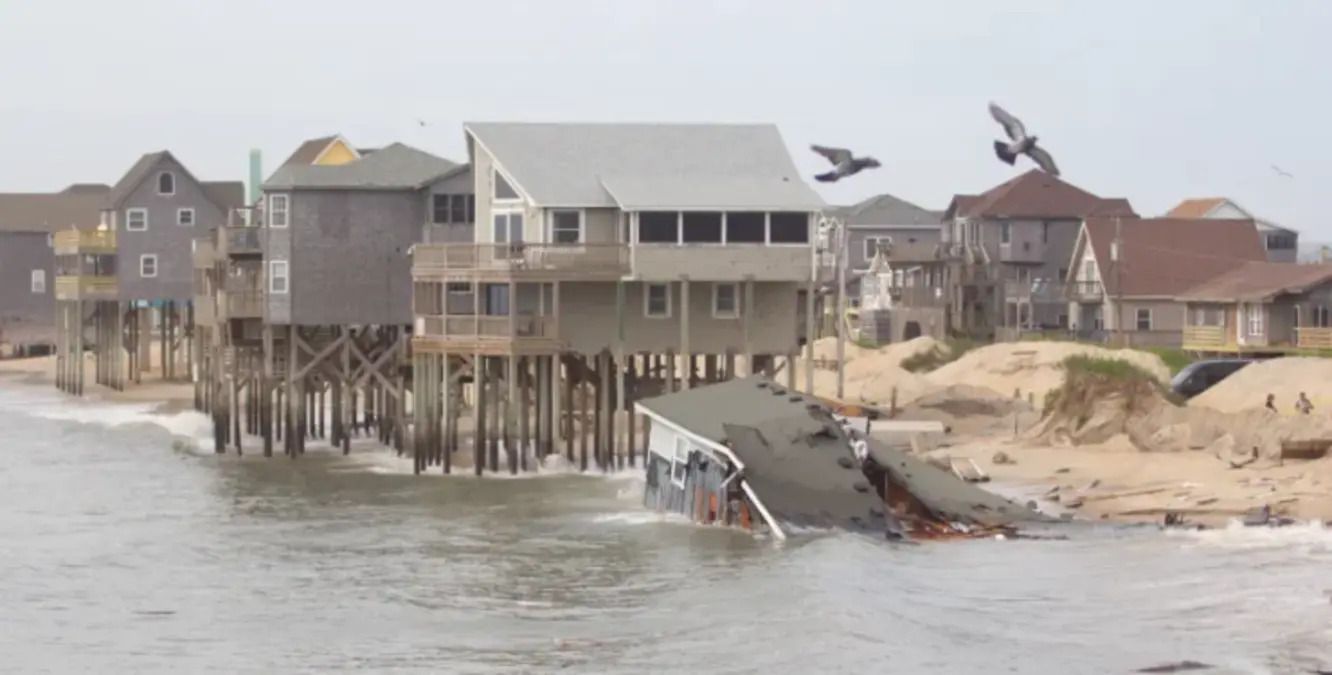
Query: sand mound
(871,375)
(1284,378)
(1032,368)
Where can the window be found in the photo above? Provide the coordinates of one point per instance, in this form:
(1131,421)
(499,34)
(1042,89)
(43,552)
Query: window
(725,301)
(746,227)
(185,217)
(508,227)
(450,209)
(278,283)
(702,227)
(136,220)
(1089,270)
(166,183)
(458,209)
(680,462)
(39,282)
(1063,274)
(1254,314)
(1005,232)
(439,209)
(1144,319)
(658,227)
(566,227)
(872,245)
(657,301)
(279,207)
(789,228)
(148,265)
(1045,231)
(470,201)
(503,191)
(1280,241)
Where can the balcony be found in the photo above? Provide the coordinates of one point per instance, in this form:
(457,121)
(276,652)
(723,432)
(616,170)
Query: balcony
(723,262)
(1086,291)
(465,262)
(1205,338)
(1022,252)
(488,335)
(1035,291)
(243,304)
(204,255)
(242,240)
(918,297)
(84,242)
(88,287)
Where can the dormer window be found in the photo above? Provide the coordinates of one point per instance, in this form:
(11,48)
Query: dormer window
(503,191)
(166,184)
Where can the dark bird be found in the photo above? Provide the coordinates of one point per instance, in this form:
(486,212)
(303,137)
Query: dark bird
(421,122)
(1020,143)
(844,164)
(1282,172)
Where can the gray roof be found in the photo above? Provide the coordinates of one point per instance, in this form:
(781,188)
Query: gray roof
(750,401)
(885,209)
(637,166)
(309,151)
(133,177)
(394,167)
(76,206)
(225,195)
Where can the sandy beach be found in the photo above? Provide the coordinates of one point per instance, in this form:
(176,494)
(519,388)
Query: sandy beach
(170,397)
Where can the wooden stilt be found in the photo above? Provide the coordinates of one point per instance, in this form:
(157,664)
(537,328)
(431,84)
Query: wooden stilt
(479,413)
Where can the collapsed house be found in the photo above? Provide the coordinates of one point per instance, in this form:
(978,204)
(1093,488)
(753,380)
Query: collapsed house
(750,453)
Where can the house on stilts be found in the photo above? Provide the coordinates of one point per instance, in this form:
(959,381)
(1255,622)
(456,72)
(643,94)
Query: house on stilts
(613,262)
(129,279)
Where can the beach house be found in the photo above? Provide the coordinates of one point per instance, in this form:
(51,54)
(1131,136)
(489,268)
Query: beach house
(1281,243)
(1261,308)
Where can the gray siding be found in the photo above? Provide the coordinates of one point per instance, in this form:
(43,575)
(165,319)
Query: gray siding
(914,236)
(169,241)
(348,256)
(458,184)
(26,317)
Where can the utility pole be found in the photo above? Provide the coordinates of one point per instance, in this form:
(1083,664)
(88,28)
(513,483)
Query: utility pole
(839,237)
(1116,252)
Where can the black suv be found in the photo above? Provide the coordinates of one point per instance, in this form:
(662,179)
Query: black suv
(1198,377)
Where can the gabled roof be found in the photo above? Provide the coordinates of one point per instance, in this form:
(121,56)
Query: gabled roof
(1036,194)
(128,182)
(1196,208)
(1257,281)
(227,194)
(643,166)
(1163,257)
(78,205)
(310,150)
(885,209)
(224,194)
(394,167)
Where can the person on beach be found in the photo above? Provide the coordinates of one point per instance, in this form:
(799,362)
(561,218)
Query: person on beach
(1271,403)
(1304,405)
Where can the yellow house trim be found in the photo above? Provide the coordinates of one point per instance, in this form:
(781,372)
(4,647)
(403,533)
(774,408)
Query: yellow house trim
(336,153)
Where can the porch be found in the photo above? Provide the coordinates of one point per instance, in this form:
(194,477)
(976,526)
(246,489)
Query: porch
(466,262)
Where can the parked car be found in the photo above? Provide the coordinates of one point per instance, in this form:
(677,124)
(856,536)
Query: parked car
(1198,377)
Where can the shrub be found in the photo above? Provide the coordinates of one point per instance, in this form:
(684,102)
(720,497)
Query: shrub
(952,350)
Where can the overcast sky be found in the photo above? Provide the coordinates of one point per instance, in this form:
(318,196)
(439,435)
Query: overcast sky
(1154,101)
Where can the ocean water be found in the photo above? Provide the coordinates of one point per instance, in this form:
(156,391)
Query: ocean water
(126,545)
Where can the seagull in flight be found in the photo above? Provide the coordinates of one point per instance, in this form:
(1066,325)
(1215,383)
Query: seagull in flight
(844,163)
(1020,143)
(1282,172)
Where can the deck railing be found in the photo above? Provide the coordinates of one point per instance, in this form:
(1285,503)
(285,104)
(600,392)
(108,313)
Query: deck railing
(85,287)
(1313,338)
(523,326)
(246,304)
(1086,290)
(243,240)
(1203,337)
(591,259)
(74,242)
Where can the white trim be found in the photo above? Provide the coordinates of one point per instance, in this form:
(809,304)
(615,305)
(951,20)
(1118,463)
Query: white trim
(734,314)
(158,187)
(286,210)
(582,225)
(145,258)
(869,255)
(129,220)
(508,214)
(182,211)
(646,305)
(273,276)
(681,443)
(37,282)
(1137,318)
(495,163)
(496,172)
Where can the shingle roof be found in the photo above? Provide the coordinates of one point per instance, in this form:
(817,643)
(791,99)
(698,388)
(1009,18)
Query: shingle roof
(1163,257)
(885,209)
(394,167)
(742,401)
(227,194)
(128,182)
(1036,194)
(662,165)
(1195,208)
(76,206)
(308,151)
(1260,281)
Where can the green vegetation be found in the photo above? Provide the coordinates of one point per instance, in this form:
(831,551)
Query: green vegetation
(952,350)
(1175,359)
(1106,367)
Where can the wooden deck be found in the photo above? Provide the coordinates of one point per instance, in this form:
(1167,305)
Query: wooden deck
(84,242)
(1220,340)
(504,262)
(86,288)
(486,335)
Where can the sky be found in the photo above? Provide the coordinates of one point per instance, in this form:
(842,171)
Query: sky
(1153,101)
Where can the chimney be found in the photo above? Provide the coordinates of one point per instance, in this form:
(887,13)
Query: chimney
(256,174)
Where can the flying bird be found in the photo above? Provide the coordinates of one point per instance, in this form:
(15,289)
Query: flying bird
(1282,172)
(1020,143)
(421,122)
(844,163)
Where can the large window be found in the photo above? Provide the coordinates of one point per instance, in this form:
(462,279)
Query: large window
(872,245)
(566,227)
(1254,315)
(790,228)
(278,210)
(658,227)
(278,282)
(508,227)
(450,209)
(657,301)
(702,227)
(1144,319)
(185,217)
(1005,232)
(136,220)
(39,282)
(725,301)
(166,184)
(746,227)
(148,265)
(503,191)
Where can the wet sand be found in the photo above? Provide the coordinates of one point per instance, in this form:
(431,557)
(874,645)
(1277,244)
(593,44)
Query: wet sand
(171,397)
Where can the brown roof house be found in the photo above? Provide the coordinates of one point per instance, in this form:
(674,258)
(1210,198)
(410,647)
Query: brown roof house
(1008,249)
(1261,307)
(27,264)
(1281,243)
(1124,275)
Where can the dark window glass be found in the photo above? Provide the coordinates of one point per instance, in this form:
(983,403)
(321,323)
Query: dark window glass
(744,228)
(471,208)
(457,209)
(658,227)
(702,227)
(439,209)
(166,184)
(790,228)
